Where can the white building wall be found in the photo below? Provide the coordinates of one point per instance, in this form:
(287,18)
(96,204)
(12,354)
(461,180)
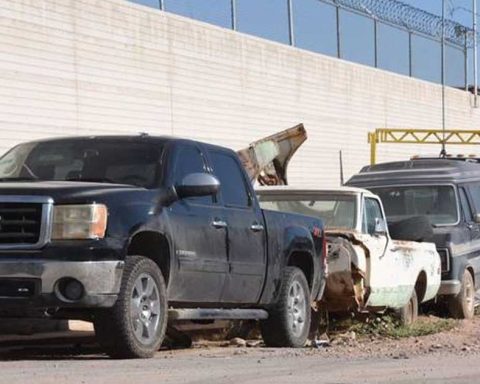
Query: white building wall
(84,67)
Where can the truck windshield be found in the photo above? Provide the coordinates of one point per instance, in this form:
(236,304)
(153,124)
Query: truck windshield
(437,202)
(95,160)
(336,211)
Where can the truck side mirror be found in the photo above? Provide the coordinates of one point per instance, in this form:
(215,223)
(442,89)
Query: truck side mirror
(197,184)
(380,226)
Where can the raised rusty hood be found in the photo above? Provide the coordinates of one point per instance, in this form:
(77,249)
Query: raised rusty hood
(266,160)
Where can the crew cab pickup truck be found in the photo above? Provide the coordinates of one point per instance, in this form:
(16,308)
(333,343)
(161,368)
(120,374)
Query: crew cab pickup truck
(130,232)
(368,271)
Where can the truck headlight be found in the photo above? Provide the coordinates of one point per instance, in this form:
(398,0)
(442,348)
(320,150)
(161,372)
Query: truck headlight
(87,221)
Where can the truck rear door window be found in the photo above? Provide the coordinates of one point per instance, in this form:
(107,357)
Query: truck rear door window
(437,202)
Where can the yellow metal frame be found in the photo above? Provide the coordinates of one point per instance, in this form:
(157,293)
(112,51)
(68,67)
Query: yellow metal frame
(420,136)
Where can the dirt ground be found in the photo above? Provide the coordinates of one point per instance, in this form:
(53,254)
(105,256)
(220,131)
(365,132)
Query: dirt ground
(448,357)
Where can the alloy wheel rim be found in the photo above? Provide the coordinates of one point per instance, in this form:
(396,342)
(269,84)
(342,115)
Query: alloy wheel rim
(145,309)
(297,308)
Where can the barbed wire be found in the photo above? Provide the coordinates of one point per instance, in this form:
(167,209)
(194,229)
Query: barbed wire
(413,19)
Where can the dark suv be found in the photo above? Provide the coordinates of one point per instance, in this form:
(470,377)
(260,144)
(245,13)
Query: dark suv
(447,192)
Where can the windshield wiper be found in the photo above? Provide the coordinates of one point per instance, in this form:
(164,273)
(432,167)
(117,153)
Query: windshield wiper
(92,180)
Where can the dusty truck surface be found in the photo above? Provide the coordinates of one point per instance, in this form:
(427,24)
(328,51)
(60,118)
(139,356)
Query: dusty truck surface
(367,270)
(131,232)
(443,193)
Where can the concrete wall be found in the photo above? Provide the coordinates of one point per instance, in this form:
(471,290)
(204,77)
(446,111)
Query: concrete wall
(76,67)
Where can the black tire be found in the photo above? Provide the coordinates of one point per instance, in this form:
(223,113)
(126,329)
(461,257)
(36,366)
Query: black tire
(462,306)
(417,228)
(286,327)
(115,327)
(408,314)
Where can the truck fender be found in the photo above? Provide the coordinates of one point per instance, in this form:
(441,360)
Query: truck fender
(299,251)
(155,245)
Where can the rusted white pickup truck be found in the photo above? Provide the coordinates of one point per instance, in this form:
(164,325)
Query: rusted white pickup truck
(368,271)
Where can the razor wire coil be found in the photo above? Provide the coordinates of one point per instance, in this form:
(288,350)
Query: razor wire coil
(413,19)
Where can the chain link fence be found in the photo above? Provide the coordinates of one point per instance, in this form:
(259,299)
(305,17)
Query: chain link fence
(386,34)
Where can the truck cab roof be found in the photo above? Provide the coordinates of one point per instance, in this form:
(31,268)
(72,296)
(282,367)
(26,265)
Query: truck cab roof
(418,171)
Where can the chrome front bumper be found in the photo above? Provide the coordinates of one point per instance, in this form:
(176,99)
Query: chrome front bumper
(100,279)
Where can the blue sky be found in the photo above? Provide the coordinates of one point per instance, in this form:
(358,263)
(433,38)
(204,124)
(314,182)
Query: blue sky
(315,30)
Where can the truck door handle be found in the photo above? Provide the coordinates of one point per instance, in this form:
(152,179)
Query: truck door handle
(255,227)
(217,223)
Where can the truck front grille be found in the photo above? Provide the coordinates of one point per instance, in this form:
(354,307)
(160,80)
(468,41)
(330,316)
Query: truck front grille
(445,259)
(20,223)
(25,221)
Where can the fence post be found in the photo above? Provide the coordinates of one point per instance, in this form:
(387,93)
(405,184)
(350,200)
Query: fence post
(410,61)
(375,42)
(465,61)
(233,6)
(291,32)
(339,52)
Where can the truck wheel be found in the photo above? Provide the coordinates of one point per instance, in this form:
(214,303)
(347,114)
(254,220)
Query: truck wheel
(408,314)
(135,326)
(462,306)
(288,320)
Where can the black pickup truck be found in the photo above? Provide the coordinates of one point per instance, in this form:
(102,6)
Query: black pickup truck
(132,232)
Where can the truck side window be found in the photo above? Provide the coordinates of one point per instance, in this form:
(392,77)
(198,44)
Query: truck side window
(371,212)
(465,206)
(475,194)
(188,159)
(232,181)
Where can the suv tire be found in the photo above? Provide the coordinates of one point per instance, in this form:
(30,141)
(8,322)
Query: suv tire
(135,326)
(288,323)
(462,306)
(408,314)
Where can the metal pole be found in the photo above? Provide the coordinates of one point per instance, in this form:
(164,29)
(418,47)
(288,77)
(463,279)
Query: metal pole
(372,139)
(291,32)
(375,43)
(410,61)
(443,153)
(339,52)
(342,180)
(162,6)
(475,69)
(465,62)
(233,6)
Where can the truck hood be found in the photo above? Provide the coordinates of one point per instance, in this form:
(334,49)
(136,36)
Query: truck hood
(62,190)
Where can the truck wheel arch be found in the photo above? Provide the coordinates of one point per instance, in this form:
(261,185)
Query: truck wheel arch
(155,246)
(421,286)
(469,268)
(304,261)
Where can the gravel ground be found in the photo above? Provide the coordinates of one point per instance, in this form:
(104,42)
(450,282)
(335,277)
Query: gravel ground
(448,357)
